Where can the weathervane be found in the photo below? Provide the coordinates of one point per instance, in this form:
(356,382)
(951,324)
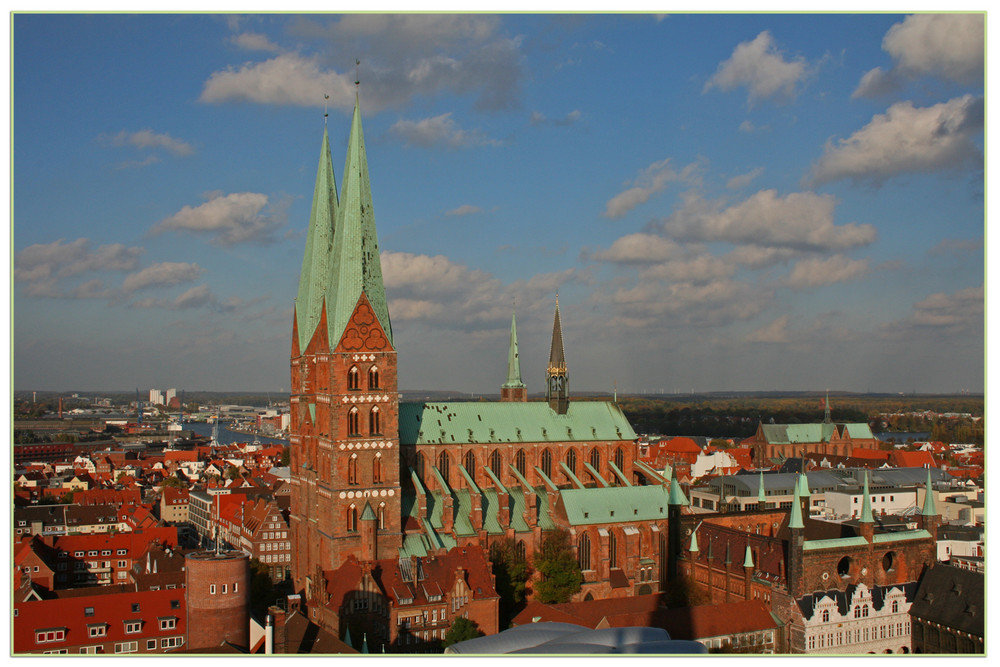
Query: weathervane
(357,72)
(326,108)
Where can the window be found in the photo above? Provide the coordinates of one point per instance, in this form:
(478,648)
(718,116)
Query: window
(381,516)
(170,622)
(547,463)
(132,627)
(88,611)
(612,549)
(519,462)
(353,376)
(374,422)
(352,470)
(50,635)
(352,518)
(150,644)
(583,551)
(97,630)
(470,464)
(171,642)
(373,379)
(496,463)
(620,459)
(211,589)
(106,552)
(571,460)
(126,647)
(376,471)
(826,615)
(444,465)
(352,422)
(595,459)
(225,589)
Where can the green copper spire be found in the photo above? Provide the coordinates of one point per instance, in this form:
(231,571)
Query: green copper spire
(319,243)
(761,498)
(866,504)
(676,496)
(355,263)
(368,514)
(513,363)
(748,559)
(803,482)
(929,508)
(694,542)
(795,521)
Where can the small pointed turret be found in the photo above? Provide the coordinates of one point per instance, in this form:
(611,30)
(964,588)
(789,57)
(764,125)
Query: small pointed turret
(676,496)
(748,558)
(929,508)
(826,410)
(319,244)
(557,383)
(795,521)
(513,389)
(761,498)
(866,504)
(694,542)
(356,267)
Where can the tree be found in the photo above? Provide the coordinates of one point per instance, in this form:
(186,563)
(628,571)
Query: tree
(556,562)
(511,571)
(286,456)
(173,482)
(232,473)
(461,629)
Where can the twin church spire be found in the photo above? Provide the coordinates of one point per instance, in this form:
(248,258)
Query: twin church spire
(556,380)
(342,258)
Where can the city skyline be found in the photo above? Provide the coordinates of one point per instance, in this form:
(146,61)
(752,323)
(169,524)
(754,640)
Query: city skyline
(721,202)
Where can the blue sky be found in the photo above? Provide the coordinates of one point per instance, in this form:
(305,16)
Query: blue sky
(722,202)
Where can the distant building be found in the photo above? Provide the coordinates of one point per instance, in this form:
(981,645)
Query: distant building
(949,612)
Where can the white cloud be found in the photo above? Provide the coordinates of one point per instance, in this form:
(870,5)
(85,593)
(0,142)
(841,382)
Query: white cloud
(653,179)
(955,318)
(289,78)
(816,271)
(404,55)
(948,45)
(253,41)
(438,131)
(743,180)
(240,217)
(42,265)
(538,118)
(147,139)
(639,248)
(877,82)
(704,304)
(800,221)
(775,332)
(465,209)
(163,274)
(762,69)
(907,139)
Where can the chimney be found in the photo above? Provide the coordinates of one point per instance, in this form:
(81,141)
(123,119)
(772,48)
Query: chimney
(268,636)
(278,640)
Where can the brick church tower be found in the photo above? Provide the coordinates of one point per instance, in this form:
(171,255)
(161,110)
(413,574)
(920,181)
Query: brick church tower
(344,432)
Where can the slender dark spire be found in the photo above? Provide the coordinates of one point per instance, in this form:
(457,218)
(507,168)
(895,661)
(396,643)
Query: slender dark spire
(557,382)
(826,411)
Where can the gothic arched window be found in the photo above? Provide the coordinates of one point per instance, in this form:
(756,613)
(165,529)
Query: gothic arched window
(352,519)
(419,465)
(443,465)
(612,549)
(352,469)
(583,551)
(519,461)
(620,459)
(381,516)
(373,379)
(495,463)
(377,468)
(571,460)
(352,422)
(353,378)
(374,422)
(470,465)
(595,459)
(547,463)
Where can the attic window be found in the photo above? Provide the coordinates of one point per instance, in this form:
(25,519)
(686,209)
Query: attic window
(586,514)
(88,611)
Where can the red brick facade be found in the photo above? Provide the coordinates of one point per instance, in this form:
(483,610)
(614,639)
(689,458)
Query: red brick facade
(218,599)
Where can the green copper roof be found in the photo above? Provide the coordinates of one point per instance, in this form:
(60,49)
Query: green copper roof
(902,536)
(319,244)
(614,504)
(929,508)
(504,422)
(748,558)
(694,541)
(513,363)
(355,265)
(834,543)
(761,498)
(785,434)
(795,521)
(677,496)
(368,514)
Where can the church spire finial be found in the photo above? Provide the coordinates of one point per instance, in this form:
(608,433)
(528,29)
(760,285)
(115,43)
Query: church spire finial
(826,410)
(557,383)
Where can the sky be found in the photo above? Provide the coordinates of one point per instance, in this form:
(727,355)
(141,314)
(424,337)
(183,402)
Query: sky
(722,202)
